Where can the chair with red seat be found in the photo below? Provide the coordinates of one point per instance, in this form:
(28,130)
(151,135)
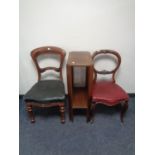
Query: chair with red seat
(108,92)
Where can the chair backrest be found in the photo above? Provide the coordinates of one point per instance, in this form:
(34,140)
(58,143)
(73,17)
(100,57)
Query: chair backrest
(48,50)
(109,52)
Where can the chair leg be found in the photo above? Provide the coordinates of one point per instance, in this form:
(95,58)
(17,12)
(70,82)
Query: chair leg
(88,115)
(88,112)
(123,110)
(93,112)
(30,112)
(62,113)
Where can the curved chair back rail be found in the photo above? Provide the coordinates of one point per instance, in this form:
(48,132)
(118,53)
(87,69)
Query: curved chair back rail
(116,54)
(48,50)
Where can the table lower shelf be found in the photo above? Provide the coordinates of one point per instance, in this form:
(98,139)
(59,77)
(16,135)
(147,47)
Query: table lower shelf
(80,98)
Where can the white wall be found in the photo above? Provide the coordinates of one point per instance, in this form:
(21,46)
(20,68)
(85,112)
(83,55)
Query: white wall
(87,25)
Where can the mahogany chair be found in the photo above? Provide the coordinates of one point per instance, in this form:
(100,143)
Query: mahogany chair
(107,92)
(47,93)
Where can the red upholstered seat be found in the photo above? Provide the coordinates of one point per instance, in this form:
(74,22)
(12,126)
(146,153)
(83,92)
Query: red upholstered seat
(108,93)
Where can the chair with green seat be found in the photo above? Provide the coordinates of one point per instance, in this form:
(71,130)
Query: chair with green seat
(47,93)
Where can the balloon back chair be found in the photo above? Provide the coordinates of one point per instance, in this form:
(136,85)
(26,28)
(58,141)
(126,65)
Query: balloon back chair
(47,93)
(107,92)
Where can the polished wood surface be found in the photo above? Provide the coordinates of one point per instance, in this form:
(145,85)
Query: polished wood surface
(79,97)
(79,59)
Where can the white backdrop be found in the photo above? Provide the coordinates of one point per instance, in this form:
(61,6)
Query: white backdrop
(75,25)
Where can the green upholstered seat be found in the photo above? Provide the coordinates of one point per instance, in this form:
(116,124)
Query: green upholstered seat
(46,91)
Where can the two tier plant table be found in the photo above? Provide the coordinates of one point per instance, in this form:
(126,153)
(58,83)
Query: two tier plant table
(79,82)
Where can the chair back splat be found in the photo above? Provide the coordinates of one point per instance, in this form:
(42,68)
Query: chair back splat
(48,50)
(107,52)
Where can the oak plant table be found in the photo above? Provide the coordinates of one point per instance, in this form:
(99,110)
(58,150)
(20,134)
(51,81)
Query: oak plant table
(79,94)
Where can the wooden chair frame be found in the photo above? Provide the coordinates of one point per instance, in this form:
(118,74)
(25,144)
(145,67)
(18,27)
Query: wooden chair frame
(34,54)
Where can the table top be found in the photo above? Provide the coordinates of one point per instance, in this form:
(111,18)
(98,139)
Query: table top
(79,58)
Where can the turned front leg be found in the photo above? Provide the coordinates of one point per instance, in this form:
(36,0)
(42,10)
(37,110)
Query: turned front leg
(62,113)
(30,113)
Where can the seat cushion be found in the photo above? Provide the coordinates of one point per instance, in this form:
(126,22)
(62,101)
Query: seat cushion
(46,91)
(108,93)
